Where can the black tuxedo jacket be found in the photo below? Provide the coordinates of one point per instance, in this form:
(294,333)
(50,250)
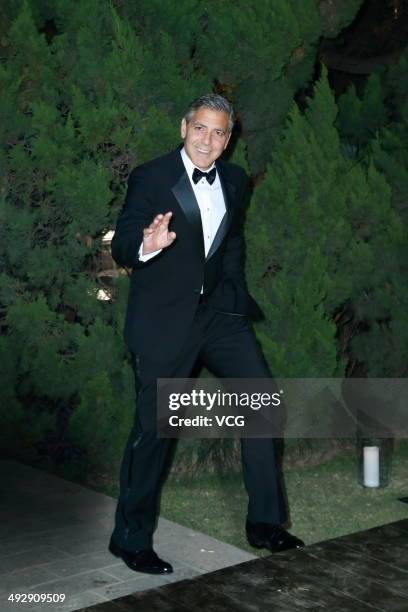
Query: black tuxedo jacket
(164,292)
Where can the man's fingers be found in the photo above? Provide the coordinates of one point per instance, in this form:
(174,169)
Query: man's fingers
(155,222)
(161,217)
(159,224)
(166,220)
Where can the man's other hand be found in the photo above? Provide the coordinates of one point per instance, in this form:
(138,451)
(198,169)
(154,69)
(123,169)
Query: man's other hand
(157,235)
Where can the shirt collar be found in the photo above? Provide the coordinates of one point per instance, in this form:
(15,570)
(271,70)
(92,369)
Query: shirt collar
(188,164)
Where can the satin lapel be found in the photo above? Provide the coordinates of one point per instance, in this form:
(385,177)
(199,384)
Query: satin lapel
(228,190)
(184,194)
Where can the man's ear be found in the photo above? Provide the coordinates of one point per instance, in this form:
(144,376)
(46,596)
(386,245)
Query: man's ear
(227,141)
(183,128)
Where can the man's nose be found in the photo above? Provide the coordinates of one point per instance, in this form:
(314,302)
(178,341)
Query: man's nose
(206,138)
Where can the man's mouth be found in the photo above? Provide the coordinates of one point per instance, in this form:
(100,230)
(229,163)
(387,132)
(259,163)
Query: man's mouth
(202,151)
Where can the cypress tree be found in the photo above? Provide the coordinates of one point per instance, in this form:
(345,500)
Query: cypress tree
(91,90)
(81,109)
(318,229)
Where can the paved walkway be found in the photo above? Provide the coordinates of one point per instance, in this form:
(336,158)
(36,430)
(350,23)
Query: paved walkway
(54,536)
(366,571)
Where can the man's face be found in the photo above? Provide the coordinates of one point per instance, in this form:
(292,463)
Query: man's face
(205,136)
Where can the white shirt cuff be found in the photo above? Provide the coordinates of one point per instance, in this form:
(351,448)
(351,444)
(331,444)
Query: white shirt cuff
(148,255)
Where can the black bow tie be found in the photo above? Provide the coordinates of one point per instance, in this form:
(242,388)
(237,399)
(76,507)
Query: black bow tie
(198,174)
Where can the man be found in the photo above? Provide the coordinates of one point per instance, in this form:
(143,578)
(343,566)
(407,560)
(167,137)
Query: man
(181,232)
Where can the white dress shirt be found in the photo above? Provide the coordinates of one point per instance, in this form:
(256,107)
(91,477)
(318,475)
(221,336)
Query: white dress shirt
(210,201)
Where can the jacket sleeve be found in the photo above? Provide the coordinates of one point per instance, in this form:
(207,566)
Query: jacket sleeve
(136,214)
(233,266)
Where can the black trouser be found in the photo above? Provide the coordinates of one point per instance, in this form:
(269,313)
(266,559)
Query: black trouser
(227,346)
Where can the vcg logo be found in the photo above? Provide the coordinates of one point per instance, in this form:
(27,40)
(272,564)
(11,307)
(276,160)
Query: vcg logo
(230,420)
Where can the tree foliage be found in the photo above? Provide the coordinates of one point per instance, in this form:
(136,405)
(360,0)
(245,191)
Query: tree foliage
(91,89)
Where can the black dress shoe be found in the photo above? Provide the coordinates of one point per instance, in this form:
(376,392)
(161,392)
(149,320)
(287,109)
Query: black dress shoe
(272,537)
(145,561)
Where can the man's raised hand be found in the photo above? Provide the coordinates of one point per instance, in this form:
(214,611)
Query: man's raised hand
(157,235)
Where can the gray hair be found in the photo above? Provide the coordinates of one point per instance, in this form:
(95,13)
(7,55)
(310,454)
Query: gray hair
(213,102)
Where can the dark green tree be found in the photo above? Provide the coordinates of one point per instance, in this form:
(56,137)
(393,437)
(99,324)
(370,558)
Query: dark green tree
(91,89)
(81,108)
(318,230)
